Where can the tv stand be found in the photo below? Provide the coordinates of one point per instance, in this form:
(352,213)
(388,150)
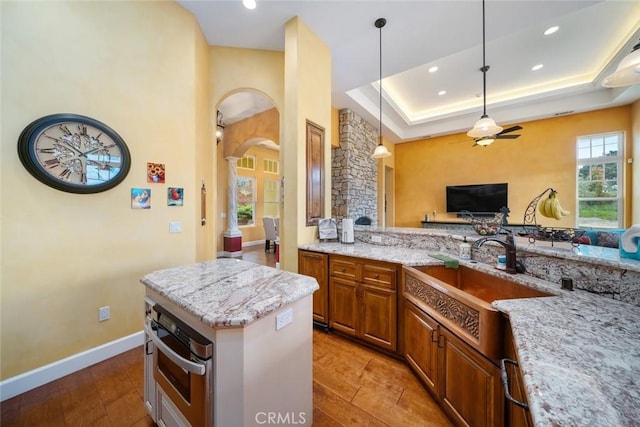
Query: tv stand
(463,226)
(476,214)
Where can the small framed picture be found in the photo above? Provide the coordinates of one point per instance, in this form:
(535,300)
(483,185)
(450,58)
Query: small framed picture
(140,198)
(155,173)
(175,196)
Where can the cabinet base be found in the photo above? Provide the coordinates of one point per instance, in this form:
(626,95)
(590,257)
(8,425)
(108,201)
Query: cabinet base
(322,326)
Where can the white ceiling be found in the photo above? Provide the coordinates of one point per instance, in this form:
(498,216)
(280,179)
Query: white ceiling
(593,37)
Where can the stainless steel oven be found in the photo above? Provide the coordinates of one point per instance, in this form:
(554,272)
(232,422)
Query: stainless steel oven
(182,367)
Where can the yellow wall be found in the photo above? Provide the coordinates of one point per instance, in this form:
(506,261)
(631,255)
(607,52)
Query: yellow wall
(205,154)
(635,167)
(135,66)
(307,97)
(544,156)
(252,233)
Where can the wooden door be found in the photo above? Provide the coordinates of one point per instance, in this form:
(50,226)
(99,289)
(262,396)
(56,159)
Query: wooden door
(316,265)
(471,390)
(421,345)
(343,306)
(378,322)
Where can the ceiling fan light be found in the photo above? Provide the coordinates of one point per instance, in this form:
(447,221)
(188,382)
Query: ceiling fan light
(484,141)
(486,126)
(380,152)
(249,4)
(627,73)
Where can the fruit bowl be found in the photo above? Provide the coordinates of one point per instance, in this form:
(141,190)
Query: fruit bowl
(485,226)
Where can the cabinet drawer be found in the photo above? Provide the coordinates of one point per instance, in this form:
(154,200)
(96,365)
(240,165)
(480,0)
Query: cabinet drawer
(343,268)
(377,275)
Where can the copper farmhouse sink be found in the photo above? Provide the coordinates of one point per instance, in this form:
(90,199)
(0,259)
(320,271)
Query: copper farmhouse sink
(460,300)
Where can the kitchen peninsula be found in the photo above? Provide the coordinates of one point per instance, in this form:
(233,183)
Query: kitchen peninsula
(256,320)
(578,351)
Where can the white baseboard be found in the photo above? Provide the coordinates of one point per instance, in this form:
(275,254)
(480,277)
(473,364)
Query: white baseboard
(29,380)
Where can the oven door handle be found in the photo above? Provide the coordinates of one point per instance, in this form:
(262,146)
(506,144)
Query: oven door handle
(187,365)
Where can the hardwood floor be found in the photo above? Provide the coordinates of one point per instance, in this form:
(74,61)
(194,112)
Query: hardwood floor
(352,386)
(106,394)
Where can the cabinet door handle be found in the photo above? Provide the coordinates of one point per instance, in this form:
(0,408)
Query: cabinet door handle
(344,270)
(434,335)
(505,382)
(377,276)
(440,342)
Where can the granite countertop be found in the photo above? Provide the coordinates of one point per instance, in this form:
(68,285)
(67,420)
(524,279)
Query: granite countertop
(229,292)
(579,352)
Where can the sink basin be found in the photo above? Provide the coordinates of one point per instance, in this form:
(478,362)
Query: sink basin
(460,300)
(481,285)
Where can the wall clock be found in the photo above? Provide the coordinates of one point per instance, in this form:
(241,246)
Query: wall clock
(74,153)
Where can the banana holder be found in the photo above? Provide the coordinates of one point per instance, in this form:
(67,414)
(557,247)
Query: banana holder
(534,232)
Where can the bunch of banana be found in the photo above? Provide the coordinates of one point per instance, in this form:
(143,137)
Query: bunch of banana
(550,207)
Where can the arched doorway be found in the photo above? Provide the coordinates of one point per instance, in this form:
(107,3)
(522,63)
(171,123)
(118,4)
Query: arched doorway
(248,169)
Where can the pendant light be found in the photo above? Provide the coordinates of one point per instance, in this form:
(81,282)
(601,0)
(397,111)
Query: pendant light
(628,71)
(486,127)
(219,128)
(380,151)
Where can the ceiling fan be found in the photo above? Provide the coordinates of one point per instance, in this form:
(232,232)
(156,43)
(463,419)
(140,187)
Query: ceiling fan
(485,130)
(483,141)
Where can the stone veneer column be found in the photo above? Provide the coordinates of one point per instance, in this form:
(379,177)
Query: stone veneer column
(232,236)
(354,174)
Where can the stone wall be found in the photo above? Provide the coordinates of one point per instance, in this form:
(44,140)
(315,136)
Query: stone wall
(354,180)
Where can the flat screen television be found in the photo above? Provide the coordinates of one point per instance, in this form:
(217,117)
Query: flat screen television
(478,199)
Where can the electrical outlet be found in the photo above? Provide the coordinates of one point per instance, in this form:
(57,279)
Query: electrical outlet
(284,318)
(104,313)
(376,239)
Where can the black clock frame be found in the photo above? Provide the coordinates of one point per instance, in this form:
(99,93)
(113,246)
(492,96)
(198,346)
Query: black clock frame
(27,154)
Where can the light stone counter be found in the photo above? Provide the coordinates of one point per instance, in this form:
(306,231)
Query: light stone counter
(579,352)
(229,292)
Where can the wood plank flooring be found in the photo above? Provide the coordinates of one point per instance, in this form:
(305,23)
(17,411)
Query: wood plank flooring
(352,386)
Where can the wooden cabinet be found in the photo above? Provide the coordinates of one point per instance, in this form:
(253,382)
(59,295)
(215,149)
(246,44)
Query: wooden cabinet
(515,415)
(421,345)
(363,300)
(316,265)
(471,389)
(466,384)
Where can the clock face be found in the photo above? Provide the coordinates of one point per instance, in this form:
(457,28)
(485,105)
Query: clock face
(74,153)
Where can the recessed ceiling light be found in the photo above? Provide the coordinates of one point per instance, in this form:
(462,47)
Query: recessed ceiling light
(551,30)
(536,67)
(442,92)
(433,69)
(249,4)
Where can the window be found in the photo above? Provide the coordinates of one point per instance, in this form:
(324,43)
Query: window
(247,162)
(246,198)
(599,181)
(271,197)
(271,166)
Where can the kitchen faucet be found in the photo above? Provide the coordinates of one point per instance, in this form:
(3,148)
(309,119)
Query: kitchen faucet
(509,246)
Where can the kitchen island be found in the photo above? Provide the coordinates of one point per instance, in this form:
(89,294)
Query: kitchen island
(579,351)
(258,320)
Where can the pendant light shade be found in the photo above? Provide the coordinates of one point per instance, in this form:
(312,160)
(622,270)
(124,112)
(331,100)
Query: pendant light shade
(486,127)
(380,151)
(628,71)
